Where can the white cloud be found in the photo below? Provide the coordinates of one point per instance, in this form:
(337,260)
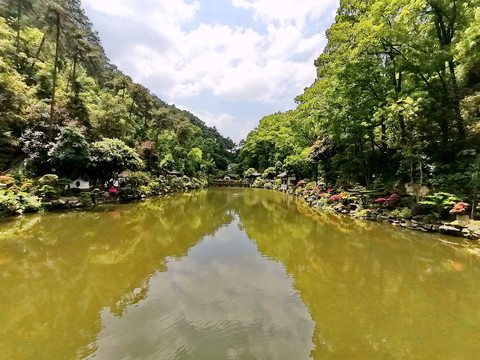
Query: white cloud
(233,63)
(110,7)
(163,10)
(297,11)
(236,64)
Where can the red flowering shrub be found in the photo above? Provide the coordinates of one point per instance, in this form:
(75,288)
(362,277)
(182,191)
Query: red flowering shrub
(459,208)
(7,179)
(334,198)
(389,202)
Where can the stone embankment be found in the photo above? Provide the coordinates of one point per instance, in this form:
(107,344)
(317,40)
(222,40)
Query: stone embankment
(467,229)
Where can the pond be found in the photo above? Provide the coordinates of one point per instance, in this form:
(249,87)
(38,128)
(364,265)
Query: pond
(232,274)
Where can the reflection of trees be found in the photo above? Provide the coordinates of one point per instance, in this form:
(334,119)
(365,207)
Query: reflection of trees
(373,290)
(59,271)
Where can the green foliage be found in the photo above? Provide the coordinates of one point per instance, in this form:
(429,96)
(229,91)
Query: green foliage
(297,164)
(441,199)
(194,161)
(382,109)
(112,156)
(54,73)
(269,173)
(137,179)
(70,155)
(85,199)
(403,213)
(49,179)
(14,203)
(249,172)
(436,206)
(259,183)
(47,191)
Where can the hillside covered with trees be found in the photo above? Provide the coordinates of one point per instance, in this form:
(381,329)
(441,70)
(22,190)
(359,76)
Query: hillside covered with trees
(65,109)
(396,101)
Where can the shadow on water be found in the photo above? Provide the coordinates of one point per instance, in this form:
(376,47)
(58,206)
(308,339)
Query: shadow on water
(71,283)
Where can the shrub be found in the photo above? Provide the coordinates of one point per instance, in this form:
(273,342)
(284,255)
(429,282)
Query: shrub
(390,202)
(334,198)
(86,199)
(459,208)
(187,183)
(301,183)
(269,185)
(404,213)
(111,157)
(137,179)
(367,214)
(155,185)
(49,179)
(249,172)
(441,199)
(47,191)
(7,179)
(259,183)
(17,203)
(424,209)
(269,173)
(278,184)
(439,204)
(9,204)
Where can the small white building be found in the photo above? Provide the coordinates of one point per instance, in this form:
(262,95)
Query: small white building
(288,180)
(78,184)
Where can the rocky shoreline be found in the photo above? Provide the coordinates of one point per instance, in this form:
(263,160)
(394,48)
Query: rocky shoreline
(469,230)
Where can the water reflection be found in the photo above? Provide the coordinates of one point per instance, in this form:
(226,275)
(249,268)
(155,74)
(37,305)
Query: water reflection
(134,281)
(374,291)
(58,272)
(223,301)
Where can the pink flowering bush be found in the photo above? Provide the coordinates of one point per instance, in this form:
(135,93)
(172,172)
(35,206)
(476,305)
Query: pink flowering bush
(334,198)
(459,208)
(390,202)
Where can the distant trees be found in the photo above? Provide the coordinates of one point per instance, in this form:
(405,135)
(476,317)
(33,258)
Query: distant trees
(54,73)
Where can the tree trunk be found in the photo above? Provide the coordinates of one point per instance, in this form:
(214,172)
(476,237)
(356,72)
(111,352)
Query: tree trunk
(19,27)
(456,102)
(54,78)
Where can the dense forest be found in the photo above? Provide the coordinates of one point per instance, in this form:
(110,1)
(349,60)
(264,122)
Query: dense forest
(65,109)
(396,101)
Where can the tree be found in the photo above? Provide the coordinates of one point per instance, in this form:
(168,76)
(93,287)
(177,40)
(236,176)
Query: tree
(269,173)
(112,156)
(70,155)
(194,161)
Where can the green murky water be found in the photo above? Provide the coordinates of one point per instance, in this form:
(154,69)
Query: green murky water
(232,274)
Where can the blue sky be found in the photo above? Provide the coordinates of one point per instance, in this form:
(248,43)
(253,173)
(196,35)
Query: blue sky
(230,62)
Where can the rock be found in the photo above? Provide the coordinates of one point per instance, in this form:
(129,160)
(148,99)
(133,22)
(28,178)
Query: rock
(451,230)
